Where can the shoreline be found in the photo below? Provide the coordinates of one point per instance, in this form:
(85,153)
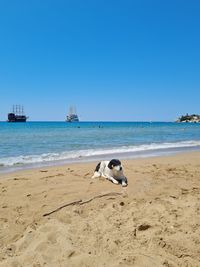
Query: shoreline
(152,222)
(87,159)
(92,162)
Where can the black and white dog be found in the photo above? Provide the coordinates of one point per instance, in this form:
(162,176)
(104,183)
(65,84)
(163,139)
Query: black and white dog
(111,170)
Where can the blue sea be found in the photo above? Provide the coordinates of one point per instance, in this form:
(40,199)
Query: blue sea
(25,145)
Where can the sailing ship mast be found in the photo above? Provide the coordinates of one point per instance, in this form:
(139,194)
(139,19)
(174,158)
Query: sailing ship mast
(72,116)
(17,114)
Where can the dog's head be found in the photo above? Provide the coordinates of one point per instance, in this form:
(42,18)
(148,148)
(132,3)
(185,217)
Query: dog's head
(115,165)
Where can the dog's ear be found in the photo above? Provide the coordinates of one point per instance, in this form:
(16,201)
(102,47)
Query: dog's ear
(110,165)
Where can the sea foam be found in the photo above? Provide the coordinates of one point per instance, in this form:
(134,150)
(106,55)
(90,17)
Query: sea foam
(93,153)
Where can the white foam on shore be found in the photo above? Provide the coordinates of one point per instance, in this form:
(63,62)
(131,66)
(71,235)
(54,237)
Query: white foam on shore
(89,153)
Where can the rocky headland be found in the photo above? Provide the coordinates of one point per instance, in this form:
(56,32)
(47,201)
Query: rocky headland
(189,118)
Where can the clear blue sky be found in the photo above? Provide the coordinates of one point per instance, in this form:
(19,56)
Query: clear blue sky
(114,60)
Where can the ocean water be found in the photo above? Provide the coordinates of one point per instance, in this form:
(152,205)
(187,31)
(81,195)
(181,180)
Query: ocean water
(29,144)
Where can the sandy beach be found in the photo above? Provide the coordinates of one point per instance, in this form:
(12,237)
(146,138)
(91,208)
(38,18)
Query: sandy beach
(153,222)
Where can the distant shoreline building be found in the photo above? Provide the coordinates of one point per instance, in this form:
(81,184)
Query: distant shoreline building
(17,114)
(189,118)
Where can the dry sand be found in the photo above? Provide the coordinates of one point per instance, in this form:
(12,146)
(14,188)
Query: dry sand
(153,222)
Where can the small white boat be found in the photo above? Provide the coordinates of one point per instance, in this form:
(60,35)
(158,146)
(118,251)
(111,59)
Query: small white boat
(72,116)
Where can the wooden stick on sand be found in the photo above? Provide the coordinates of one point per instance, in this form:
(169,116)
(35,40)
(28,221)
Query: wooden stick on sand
(81,202)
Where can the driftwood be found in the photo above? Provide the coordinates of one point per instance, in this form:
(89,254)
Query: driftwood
(81,202)
(63,206)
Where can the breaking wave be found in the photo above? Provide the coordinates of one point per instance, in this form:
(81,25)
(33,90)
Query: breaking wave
(92,153)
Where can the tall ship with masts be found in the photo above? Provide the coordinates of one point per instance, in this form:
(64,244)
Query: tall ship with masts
(72,116)
(17,114)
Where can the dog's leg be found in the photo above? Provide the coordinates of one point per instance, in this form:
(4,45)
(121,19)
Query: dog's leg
(124,181)
(96,175)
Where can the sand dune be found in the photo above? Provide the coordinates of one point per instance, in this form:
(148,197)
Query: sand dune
(155,221)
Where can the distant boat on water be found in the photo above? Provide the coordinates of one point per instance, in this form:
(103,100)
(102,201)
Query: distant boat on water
(72,116)
(17,114)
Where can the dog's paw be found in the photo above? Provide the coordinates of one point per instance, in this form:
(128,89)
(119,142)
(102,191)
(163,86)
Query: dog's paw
(124,184)
(115,182)
(96,175)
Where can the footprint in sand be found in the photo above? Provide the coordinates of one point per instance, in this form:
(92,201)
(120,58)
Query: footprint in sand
(52,238)
(22,178)
(3,189)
